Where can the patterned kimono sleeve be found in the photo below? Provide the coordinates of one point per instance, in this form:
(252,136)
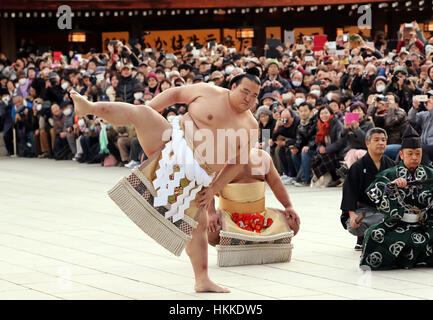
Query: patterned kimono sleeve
(384,197)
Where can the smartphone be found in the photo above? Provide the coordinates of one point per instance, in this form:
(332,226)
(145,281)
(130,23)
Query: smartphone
(232,50)
(148,50)
(340,52)
(100,77)
(300,47)
(57,56)
(195,53)
(345,37)
(350,117)
(309,58)
(421,98)
(408,26)
(170,56)
(353,37)
(332,45)
(113,42)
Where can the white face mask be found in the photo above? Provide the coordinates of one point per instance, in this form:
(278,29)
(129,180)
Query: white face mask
(298,101)
(286,96)
(81,123)
(65,85)
(296,83)
(39,107)
(22,81)
(5,99)
(138,95)
(229,69)
(380,88)
(67,112)
(329,96)
(316,92)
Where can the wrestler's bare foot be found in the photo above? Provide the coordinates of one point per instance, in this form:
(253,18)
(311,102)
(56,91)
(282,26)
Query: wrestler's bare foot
(206,285)
(81,105)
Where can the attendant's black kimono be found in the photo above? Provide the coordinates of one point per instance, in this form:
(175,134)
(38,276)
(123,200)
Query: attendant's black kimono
(361,174)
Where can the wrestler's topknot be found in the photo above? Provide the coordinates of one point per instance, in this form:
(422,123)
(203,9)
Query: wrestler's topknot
(251,74)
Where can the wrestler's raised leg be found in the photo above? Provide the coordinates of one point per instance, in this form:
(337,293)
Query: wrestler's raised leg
(197,252)
(151,127)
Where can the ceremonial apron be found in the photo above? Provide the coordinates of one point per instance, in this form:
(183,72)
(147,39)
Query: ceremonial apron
(159,196)
(251,233)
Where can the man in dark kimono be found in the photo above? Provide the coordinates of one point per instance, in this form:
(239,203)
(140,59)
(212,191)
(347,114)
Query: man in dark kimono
(355,203)
(404,194)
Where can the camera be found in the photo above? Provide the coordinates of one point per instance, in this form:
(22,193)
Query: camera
(274,106)
(124,53)
(382,99)
(283,120)
(20,111)
(408,63)
(93,79)
(53,82)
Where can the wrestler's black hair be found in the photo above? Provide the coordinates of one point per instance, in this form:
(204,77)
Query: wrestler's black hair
(251,74)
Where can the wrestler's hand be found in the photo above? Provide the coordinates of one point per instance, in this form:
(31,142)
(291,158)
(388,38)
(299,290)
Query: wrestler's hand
(292,218)
(205,196)
(214,222)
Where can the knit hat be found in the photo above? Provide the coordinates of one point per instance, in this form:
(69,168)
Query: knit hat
(358,104)
(268,95)
(138,87)
(380,78)
(273,61)
(411,139)
(216,75)
(400,69)
(152,75)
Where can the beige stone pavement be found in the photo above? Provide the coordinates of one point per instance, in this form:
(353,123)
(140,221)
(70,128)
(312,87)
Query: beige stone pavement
(61,237)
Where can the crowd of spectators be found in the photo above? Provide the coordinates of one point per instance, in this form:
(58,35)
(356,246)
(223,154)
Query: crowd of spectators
(313,110)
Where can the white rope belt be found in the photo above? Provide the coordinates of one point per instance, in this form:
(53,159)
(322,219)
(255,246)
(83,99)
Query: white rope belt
(177,152)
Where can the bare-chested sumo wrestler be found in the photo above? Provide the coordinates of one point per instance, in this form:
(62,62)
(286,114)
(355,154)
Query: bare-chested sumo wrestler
(214,134)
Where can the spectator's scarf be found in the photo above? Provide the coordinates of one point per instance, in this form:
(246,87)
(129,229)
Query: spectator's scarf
(323,130)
